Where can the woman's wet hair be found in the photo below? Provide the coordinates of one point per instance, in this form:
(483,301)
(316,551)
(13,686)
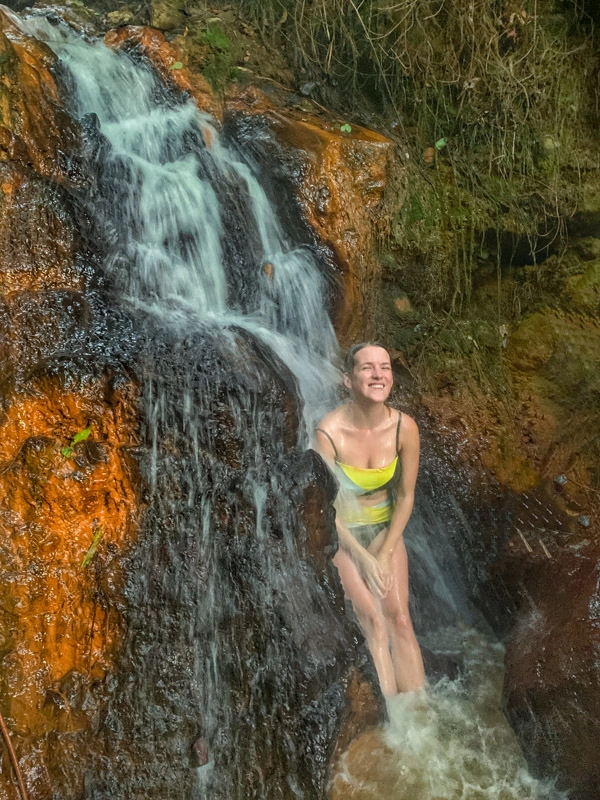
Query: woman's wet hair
(349,359)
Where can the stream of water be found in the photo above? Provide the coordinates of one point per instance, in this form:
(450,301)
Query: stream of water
(190,230)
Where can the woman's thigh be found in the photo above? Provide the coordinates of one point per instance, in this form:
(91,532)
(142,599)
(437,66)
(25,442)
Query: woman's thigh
(366,606)
(396,601)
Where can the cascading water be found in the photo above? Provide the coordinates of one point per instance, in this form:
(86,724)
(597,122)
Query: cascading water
(229,634)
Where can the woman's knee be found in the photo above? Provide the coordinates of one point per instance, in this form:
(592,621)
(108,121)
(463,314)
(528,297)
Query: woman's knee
(400,623)
(374,626)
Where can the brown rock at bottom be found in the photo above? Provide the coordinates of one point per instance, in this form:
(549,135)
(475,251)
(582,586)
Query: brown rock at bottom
(368,755)
(365,709)
(552,680)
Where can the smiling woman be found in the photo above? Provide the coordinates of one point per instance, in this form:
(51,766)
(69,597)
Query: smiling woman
(374,452)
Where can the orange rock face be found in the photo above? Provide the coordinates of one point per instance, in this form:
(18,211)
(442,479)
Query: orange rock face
(35,131)
(61,600)
(68,509)
(342,190)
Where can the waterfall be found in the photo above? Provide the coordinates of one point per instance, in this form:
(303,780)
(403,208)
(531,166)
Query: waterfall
(229,635)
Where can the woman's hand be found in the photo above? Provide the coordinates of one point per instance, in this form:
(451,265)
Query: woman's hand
(386,569)
(371,573)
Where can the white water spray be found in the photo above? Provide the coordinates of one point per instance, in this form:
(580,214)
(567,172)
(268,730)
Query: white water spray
(170,256)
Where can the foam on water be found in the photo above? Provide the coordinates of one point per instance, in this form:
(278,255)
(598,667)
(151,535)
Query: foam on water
(451,742)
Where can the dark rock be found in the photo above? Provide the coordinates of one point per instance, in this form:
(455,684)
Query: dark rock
(552,680)
(440,665)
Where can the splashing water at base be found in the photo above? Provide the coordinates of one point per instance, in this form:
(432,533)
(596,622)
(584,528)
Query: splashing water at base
(451,742)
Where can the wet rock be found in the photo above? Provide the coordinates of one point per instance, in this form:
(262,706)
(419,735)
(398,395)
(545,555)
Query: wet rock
(233,566)
(163,56)
(365,706)
(342,186)
(64,621)
(339,179)
(36,132)
(552,681)
(440,665)
(38,234)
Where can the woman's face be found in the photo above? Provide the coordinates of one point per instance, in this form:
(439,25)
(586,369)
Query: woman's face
(371,377)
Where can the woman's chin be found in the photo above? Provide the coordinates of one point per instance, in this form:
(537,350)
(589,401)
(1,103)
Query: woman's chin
(376,395)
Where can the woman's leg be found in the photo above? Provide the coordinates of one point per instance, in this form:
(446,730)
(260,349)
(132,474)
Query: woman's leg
(406,654)
(368,610)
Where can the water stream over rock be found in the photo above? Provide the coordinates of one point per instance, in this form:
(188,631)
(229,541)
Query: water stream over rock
(233,677)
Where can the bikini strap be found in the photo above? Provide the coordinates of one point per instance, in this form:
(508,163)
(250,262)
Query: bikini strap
(397,432)
(337,458)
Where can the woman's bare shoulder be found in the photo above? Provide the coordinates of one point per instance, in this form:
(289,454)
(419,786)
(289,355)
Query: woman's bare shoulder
(326,432)
(333,421)
(408,422)
(409,431)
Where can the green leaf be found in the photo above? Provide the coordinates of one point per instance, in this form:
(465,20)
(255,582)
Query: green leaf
(345,128)
(81,436)
(440,144)
(176,65)
(98,534)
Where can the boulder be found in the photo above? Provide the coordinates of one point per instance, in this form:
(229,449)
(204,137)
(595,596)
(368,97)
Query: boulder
(552,679)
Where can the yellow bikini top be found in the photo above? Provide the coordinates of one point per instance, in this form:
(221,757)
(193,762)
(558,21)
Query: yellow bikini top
(359,481)
(369,480)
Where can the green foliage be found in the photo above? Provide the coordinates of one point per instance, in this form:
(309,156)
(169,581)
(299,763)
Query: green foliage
(220,55)
(176,65)
(216,38)
(346,128)
(97,536)
(81,436)
(503,92)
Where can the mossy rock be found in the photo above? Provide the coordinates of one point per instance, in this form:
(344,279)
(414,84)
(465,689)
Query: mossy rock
(559,356)
(507,462)
(532,344)
(583,291)
(166,15)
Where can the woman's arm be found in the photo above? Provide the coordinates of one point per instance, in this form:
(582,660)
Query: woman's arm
(408,455)
(366,563)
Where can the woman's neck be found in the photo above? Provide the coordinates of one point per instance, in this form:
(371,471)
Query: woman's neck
(367,414)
